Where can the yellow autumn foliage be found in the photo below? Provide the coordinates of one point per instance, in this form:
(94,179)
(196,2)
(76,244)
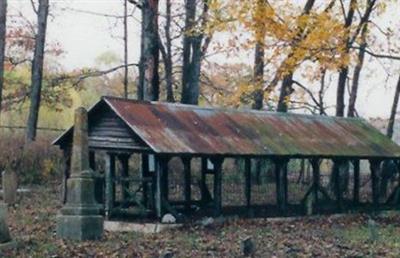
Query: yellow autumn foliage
(289,36)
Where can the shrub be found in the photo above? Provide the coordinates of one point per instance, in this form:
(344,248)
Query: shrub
(39,162)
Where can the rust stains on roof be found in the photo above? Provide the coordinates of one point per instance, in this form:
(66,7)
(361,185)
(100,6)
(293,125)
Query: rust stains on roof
(185,129)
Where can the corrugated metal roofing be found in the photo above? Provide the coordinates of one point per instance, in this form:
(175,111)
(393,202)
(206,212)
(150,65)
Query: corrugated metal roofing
(186,129)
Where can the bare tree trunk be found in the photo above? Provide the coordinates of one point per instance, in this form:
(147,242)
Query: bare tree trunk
(286,90)
(343,74)
(126,82)
(344,71)
(357,71)
(287,82)
(168,57)
(37,71)
(148,87)
(321,94)
(3,22)
(188,95)
(258,94)
(393,112)
(193,53)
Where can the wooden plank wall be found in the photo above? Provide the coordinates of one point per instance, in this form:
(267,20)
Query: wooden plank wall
(107,130)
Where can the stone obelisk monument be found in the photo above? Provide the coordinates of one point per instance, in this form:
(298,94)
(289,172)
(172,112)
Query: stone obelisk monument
(80,218)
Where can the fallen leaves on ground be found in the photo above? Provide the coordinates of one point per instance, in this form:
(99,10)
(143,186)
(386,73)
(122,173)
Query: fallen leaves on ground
(33,222)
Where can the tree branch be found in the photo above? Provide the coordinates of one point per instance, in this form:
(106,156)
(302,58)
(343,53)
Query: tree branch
(34,7)
(136,3)
(81,77)
(385,56)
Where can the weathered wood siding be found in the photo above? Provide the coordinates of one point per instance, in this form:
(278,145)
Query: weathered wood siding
(108,131)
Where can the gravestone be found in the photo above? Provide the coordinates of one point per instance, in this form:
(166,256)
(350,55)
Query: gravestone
(168,219)
(10,186)
(167,254)
(80,218)
(4,232)
(5,238)
(247,246)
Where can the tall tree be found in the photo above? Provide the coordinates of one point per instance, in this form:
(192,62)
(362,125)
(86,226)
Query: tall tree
(350,39)
(393,112)
(3,21)
(357,72)
(37,70)
(148,87)
(340,105)
(193,52)
(258,94)
(259,55)
(166,52)
(287,82)
(126,68)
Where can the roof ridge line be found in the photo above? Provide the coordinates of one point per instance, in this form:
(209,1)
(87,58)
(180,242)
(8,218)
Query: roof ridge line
(228,109)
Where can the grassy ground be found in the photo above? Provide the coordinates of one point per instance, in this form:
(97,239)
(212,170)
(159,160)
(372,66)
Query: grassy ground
(32,224)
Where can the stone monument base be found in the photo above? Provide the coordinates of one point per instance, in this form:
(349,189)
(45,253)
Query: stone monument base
(77,227)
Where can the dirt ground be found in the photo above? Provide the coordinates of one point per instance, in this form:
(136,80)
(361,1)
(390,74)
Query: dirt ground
(32,224)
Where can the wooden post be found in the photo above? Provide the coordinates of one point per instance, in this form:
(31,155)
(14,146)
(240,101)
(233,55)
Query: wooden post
(203,180)
(109,180)
(316,178)
(160,195)
(124,159)
(247,168)
(281,183)
(145,174)
(285,183)
(375,167)
(187,174)
(158,190)
(92,160)
(356,183)
(98,181)
(337,189)
(217,186)
(166,182)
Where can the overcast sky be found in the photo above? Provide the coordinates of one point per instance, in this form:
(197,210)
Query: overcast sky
(84,37)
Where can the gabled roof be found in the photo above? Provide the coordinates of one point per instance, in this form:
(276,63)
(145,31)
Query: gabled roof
(185,129)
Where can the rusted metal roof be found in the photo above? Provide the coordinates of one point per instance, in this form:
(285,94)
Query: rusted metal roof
(186,129)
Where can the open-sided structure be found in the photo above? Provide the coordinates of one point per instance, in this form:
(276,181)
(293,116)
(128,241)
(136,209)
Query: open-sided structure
(160,131)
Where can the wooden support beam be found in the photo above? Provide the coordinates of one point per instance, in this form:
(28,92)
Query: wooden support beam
(315,189)
(145,174)
(316,178)
(217,186)
(356,183)
(109,181)
(187,176)
(98,181)
(281,183)
(165,182)
(375,174)
(394,197)
(203,181)
(160,194)
(124,160)
(92,160)
(337,187)
(158,188)
(247,168)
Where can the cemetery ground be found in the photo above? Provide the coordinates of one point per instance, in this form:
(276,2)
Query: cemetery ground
(33,223)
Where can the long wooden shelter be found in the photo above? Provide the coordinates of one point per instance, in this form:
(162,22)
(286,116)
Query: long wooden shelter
(161,131)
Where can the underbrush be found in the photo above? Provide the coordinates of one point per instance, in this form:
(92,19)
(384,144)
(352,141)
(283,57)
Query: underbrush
(35,163)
